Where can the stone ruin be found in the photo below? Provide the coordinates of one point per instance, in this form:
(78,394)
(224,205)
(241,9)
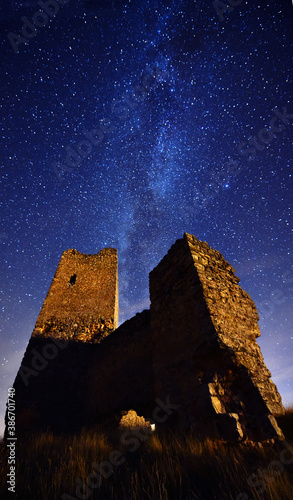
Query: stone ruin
(196,348)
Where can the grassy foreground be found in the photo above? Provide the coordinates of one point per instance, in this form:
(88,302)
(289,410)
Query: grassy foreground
(149,467)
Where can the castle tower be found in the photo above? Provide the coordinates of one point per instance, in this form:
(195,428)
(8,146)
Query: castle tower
(80,310)
(82,302)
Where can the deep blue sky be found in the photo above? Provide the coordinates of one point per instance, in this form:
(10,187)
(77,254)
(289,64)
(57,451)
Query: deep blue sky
(167,160)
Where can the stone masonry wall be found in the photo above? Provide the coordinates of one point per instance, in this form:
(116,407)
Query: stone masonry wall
(204,329)
(121,375)
(84,383)
(82,302)
(182,332)
(235,319)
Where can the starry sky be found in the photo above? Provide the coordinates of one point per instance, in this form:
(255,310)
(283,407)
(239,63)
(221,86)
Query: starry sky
(127,123)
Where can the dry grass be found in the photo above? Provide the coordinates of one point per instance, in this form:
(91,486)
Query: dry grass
(163,467)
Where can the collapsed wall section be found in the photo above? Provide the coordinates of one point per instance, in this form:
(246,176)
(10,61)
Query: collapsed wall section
(235,319)
(121,376)
(204,329)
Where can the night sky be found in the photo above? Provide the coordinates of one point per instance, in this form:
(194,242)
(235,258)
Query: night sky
(125,124)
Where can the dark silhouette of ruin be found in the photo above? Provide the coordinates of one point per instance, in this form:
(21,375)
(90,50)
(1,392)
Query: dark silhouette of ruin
(195,348)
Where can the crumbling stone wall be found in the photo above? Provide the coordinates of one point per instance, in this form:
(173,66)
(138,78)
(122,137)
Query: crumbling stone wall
(196,347)
(205,355)
(121,374)
(64,385)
